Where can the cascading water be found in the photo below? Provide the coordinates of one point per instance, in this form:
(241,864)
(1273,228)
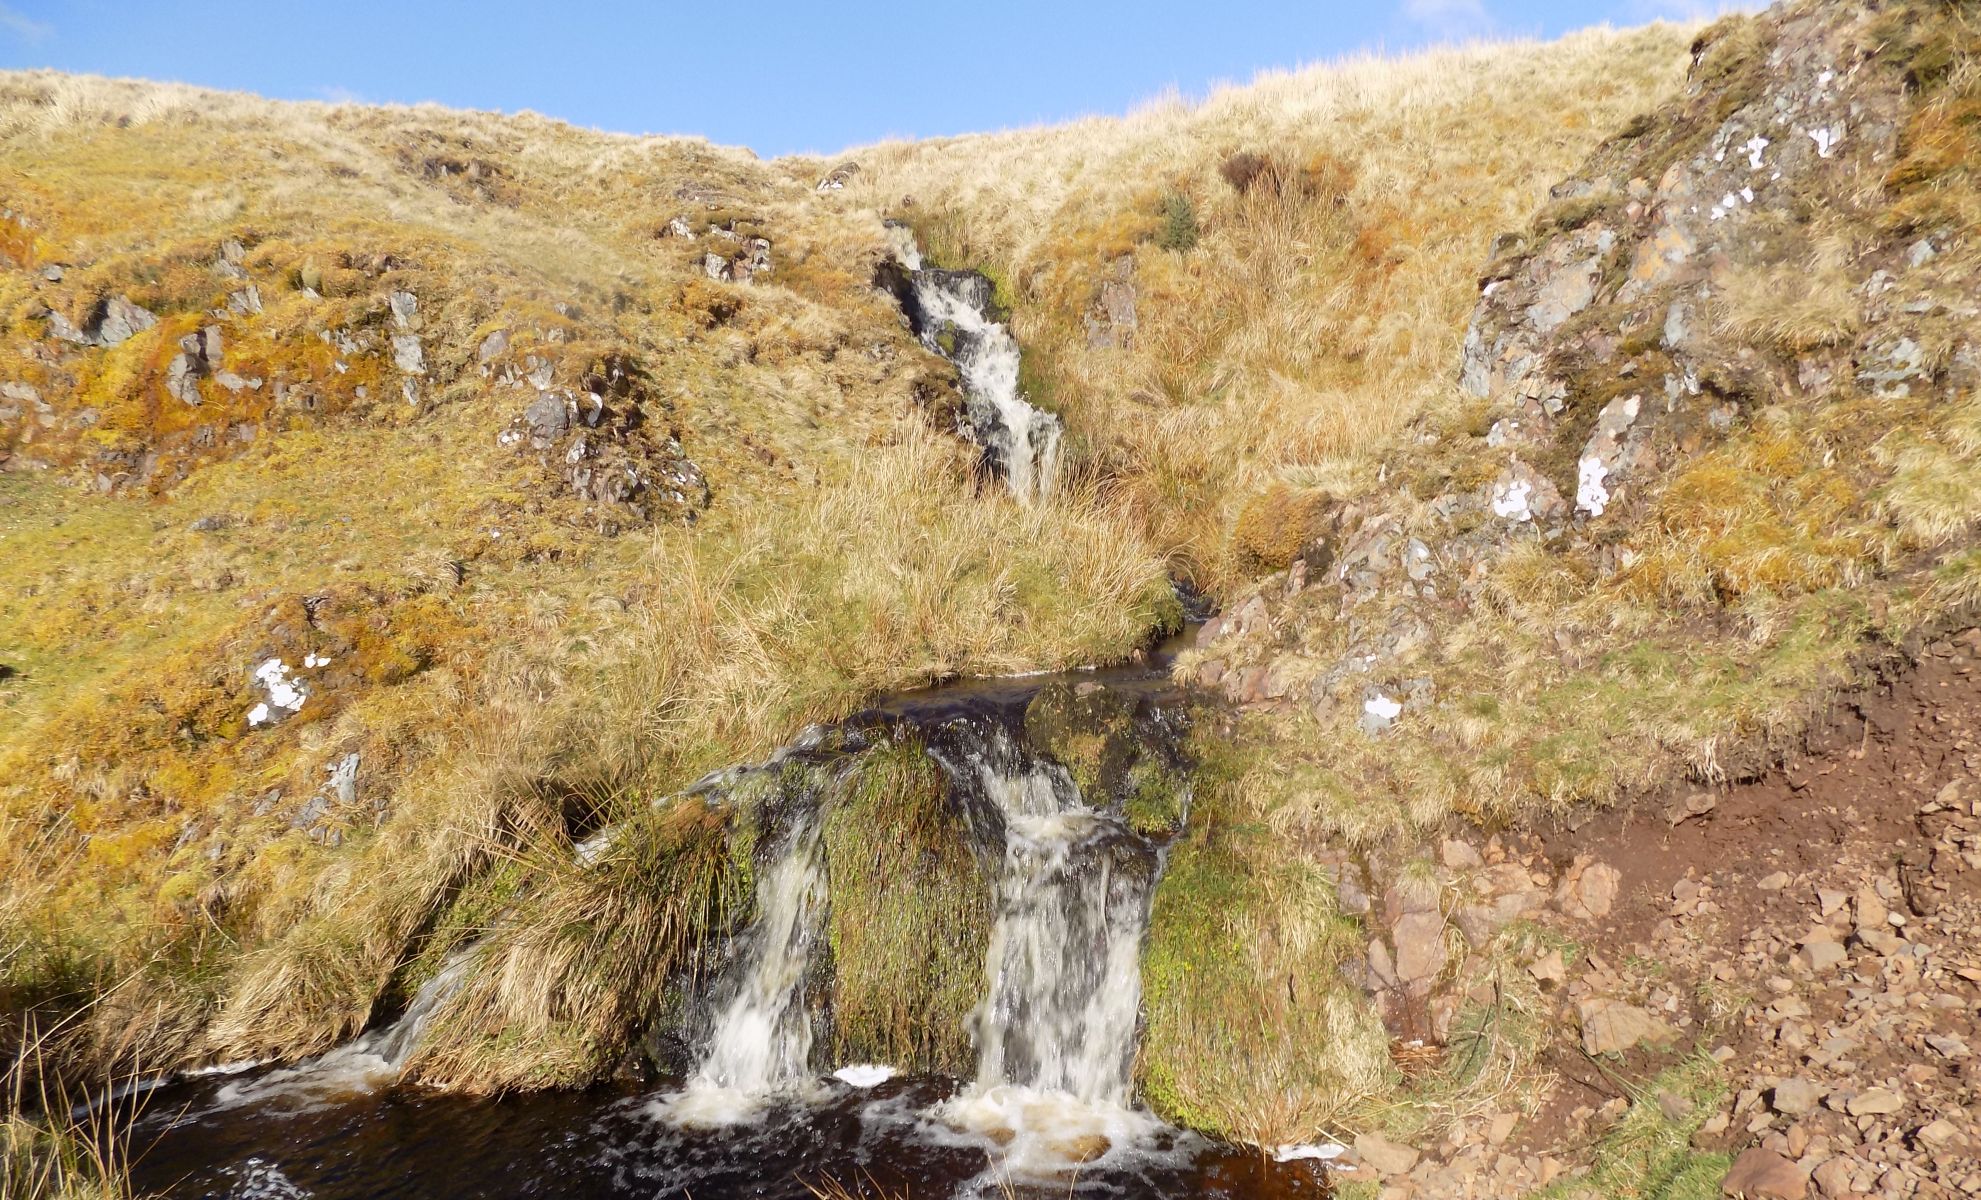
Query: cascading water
(761,1040)
(950,312)
(1048,1110)
(371,1060)
(1056,1029)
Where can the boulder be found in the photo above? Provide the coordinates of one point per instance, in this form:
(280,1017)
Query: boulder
(1612,1026)
(1384,1157)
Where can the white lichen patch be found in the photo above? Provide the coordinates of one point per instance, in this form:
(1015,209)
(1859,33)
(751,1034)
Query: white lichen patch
(1510,501)
(1591,496)
(283,693)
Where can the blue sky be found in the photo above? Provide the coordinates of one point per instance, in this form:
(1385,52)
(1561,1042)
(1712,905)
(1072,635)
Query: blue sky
(777,75)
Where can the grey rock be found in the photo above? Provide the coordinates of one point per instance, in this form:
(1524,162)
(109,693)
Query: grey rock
(407,354)
(343,781)
(405,309)
(548,418)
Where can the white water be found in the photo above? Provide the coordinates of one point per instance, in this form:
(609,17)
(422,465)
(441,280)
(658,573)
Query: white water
(761,1043)
(1056,1030)
(367,1062)
(1023,440)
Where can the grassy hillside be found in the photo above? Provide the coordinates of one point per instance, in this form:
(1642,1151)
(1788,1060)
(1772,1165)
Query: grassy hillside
(731,518)
(1230,299)
(1338,346)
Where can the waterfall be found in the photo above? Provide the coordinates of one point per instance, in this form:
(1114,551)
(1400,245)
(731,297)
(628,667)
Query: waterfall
(761,1041)
(950,312)
(1056,1028)
(1064,962)
(369,1061)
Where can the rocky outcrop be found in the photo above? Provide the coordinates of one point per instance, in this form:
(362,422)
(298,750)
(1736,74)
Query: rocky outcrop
(595,441)
(1668,303)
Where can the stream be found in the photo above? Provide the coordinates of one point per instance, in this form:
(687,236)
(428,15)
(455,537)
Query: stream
(1050,1110)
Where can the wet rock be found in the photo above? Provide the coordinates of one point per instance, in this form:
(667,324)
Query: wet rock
(1760,1174)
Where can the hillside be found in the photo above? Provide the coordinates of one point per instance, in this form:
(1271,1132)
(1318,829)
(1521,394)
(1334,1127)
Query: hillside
(419,517)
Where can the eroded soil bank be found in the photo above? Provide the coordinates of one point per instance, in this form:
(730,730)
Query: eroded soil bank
(1773,983)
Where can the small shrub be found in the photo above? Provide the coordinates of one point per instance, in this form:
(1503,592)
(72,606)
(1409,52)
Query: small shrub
(1179,223)
(1246,168)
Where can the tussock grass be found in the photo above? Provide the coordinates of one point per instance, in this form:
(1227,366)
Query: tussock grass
(54,1143)
(507,669)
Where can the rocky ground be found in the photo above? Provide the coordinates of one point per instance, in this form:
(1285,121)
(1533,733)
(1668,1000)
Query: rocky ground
(1812,932)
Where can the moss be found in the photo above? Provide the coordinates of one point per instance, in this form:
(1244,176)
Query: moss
(1090,734)
(910,916)
(1250,1032)
(1158,799)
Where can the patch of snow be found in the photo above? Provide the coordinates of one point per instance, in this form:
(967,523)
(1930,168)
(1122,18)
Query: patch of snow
(1322,1151)
(1590,494)
(1823,80)
(864,1075)
(1747,194)
(258,715)
(1511,501)
(314,660)
(1382,707)
(1754,146)
(1826,139)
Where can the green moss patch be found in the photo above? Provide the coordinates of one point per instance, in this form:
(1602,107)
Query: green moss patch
(910,915)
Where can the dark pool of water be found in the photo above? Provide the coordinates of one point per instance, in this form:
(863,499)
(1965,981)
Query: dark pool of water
(607,1143)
